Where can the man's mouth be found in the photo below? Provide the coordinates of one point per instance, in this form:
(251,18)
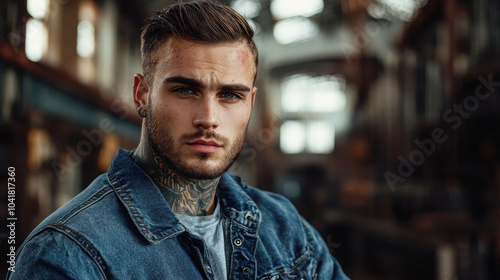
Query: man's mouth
(205,145)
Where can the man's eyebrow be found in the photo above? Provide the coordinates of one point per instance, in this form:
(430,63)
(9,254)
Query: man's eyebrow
(198,84)
(235,87)
(184,81)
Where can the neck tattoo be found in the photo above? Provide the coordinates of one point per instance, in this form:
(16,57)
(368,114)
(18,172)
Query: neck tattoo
(185,196)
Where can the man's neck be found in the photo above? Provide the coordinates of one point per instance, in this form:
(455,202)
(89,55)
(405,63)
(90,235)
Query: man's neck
(185,196)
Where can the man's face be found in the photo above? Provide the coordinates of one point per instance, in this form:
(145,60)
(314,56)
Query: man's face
(199,105)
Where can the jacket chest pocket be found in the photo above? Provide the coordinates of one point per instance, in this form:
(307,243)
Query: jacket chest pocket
(305,270)
(287,276)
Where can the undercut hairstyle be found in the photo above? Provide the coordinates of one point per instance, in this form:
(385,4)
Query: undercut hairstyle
(196,21)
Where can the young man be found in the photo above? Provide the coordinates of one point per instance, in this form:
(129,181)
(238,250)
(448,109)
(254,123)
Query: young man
(169,210)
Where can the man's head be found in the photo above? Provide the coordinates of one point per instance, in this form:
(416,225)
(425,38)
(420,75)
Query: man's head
(197,93)
(200,22)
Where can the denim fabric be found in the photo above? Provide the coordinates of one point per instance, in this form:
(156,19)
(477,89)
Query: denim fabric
(120,227)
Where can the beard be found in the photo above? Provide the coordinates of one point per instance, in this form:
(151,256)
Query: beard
(170,151)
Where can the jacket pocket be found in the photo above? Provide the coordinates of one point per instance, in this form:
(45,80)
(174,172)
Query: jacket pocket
(303,270)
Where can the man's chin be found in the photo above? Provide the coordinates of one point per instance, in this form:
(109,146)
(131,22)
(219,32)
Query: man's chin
(201,174)
(203,171)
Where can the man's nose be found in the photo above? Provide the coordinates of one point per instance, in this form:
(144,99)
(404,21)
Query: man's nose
(206,115)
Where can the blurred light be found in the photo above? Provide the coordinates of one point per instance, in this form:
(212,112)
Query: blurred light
(282,9)
(37,8)
(292,97)
(320,137)
(314,137)
(294,29)
(327,95)
(36,40)
(247,8)
(376,10)
(404,9)
(110,146)
(39,148)
(323,94)
(85,39)
(292,137)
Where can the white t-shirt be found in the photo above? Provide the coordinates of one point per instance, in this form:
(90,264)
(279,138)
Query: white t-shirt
(211,230)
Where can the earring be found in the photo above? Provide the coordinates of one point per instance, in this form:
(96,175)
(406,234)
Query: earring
(140,112)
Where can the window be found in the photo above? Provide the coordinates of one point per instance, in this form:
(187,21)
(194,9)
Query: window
(282,9)
(316,137)
(294,30)
(302,93)
(309,104)
(293,19)
(36,42)
(293,137)
(85,41)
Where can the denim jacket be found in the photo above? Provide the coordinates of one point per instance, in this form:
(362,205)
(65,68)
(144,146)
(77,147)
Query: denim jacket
(120,227)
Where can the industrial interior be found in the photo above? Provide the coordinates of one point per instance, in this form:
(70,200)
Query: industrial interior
(378,119)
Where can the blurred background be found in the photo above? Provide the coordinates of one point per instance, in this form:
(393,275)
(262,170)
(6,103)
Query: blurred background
(378,119)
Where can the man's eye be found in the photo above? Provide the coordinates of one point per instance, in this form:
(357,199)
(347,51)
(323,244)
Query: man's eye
(230,96)
(184,91)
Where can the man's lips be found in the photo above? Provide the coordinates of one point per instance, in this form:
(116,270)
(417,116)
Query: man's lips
(205,145)
(207,142)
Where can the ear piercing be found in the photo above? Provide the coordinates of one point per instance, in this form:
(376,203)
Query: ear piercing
(141,113)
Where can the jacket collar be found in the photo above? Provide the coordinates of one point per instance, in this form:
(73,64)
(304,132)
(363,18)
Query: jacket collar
(237,205)
(152,215)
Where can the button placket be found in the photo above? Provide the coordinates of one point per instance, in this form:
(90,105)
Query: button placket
(244,242)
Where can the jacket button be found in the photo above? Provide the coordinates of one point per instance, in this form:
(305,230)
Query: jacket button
(246,270)
(249,217)
(238,242)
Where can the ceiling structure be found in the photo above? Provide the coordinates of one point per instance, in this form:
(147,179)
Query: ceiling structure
(332,11)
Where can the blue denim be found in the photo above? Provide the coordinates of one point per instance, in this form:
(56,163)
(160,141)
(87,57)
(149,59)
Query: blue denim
(120,227)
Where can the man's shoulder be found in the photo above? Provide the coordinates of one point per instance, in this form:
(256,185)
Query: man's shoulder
(87,203)
(68,230)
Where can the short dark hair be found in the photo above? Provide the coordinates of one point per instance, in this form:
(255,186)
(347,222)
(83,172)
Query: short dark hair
(195,21)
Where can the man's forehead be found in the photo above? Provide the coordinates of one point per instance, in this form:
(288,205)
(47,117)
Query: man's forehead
(182,52)
(175,47)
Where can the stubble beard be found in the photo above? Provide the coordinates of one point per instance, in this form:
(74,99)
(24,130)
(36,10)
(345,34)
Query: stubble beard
(162,144)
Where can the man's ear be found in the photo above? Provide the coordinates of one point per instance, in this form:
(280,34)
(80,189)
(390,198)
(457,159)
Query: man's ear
(141,91)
